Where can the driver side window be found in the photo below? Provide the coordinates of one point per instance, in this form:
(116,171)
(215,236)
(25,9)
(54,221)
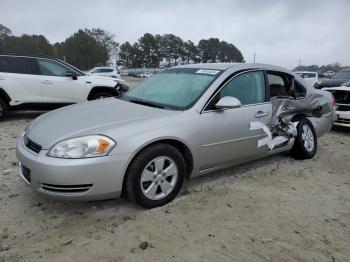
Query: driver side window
(51,68)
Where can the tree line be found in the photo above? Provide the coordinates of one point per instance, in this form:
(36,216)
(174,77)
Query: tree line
(84,49)
(168,50)
(96,47)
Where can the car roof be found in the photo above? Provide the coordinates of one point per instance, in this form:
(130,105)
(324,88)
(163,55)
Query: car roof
(235,66)
(26,55)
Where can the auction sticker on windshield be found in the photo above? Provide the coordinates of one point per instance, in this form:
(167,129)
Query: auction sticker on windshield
(207,72)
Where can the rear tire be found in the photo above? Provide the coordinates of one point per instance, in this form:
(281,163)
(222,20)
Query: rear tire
(4,109)
(101,95)
(155,176)
(305,145)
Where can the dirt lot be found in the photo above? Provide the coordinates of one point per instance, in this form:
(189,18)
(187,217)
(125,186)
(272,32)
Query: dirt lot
(275,209)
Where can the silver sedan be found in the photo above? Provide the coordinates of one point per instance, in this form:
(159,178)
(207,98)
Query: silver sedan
(182,122)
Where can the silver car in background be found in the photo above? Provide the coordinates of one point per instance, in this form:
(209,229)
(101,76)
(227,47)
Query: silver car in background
(105,71)
(184,121)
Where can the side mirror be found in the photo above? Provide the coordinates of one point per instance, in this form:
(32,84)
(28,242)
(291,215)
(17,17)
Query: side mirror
(72,75)
(228,102)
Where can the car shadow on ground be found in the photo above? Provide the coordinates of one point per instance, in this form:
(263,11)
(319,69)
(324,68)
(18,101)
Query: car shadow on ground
(340,129)
(192,185)
(23,115)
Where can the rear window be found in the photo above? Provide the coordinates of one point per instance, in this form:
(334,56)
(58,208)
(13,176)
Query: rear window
(12,64)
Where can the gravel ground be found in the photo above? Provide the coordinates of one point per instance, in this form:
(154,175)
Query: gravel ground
(276,209)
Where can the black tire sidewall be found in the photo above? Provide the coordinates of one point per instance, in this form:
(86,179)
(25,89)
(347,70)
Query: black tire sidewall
(5,109)
(299,151)
(138,165)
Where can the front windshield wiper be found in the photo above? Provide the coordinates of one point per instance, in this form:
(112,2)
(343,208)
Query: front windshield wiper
(146,103)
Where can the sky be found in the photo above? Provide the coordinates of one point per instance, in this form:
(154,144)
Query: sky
(280,32)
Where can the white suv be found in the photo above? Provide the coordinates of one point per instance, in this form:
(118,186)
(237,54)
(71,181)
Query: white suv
(104,71)
(39,82)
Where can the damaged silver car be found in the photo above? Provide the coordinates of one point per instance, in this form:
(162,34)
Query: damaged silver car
(184,121)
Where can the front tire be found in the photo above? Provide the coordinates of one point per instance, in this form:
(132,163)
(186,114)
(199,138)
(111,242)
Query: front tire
(155,176)
(4,109)
(305,145)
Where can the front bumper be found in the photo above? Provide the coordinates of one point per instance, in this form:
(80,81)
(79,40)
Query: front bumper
(342,118)
(72,179)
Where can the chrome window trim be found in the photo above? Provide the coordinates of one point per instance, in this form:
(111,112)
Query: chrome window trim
(217,91)
(219,110)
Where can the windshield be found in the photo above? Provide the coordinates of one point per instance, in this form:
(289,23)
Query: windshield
(342,75)
(177,88)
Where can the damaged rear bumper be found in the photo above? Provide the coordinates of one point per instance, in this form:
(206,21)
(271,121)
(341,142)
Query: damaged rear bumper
(323,124)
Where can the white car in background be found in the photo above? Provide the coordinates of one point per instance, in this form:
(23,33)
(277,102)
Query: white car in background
(341,95)
(29,82)
(105,71)
(309,77)
(329,73)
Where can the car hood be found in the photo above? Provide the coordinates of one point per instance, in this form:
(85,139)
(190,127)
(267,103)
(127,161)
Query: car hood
(103,80)
(89,118)
(332,82)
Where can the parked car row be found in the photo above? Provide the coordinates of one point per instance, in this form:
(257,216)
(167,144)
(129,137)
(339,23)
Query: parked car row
(339,85)
(41,82)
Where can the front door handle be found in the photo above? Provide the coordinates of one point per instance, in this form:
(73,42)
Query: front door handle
(2,78)
(47,82)
(261,114)
(285,108)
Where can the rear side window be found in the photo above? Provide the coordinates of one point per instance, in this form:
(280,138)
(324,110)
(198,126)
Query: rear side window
(283,85)
(51,68)
(17,65)
(278,87)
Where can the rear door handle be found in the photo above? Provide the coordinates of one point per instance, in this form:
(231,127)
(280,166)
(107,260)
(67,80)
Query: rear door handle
(2,78)
(47,82)
(261,114)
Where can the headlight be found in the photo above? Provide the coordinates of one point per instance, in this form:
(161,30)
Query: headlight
(82,147)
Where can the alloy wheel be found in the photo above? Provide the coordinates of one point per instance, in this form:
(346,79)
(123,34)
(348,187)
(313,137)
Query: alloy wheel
(308,138)
(159,178)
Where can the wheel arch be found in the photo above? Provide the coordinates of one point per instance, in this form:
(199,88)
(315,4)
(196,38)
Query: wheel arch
(4,95)
(177,143)
(298,117)
(98,89)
